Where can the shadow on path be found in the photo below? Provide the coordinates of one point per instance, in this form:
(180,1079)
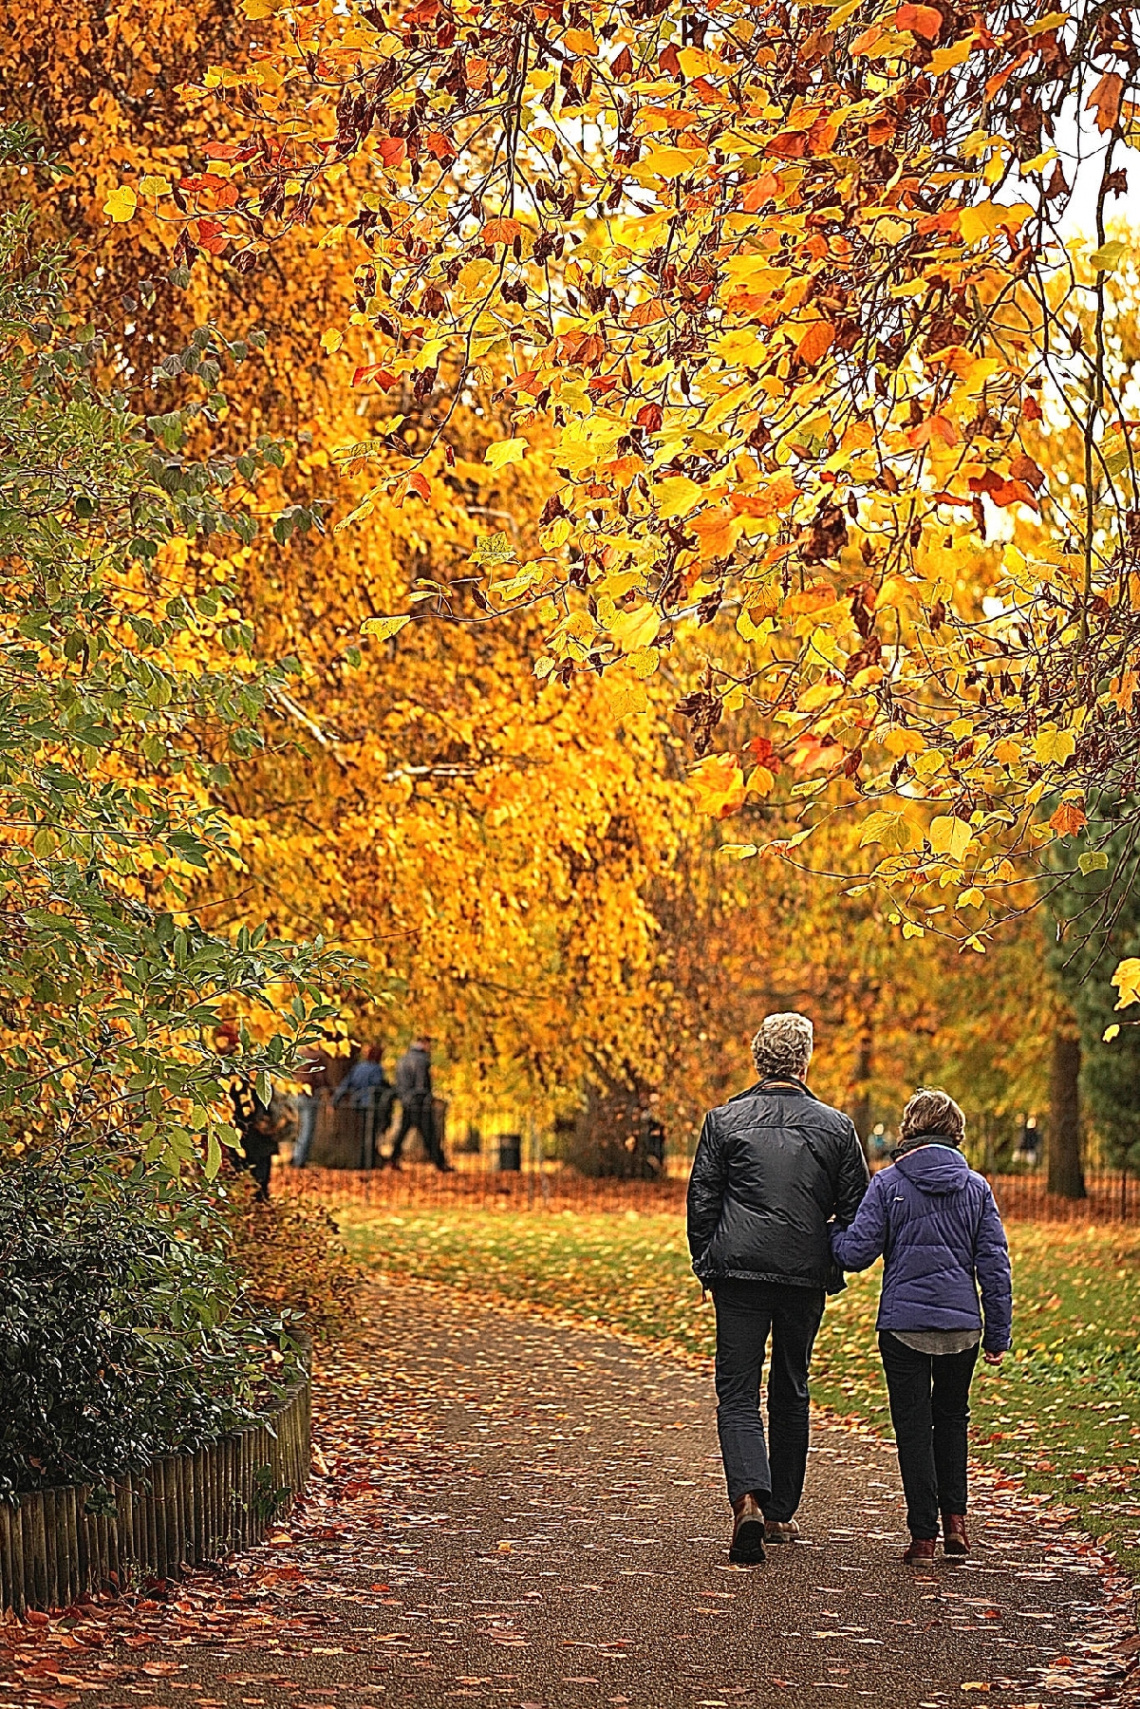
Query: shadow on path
(516,1513)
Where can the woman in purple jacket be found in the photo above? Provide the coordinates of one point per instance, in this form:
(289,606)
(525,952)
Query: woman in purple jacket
(937,1227)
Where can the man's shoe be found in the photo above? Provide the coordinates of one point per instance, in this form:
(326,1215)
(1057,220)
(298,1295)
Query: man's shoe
(920,1551)
(956,1540)
(780,1530)
(747,1546)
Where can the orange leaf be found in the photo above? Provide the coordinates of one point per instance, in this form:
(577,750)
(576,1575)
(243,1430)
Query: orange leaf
(816,342)
(393,151)
(1105,100)
(502,230)
(920,21)
(419,483)
(440,145)
(644,314)
(1069,819)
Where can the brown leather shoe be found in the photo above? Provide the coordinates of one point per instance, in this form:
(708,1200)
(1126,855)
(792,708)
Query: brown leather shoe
(780,1530)
(956,1539)
(920,1551)
(747,1546)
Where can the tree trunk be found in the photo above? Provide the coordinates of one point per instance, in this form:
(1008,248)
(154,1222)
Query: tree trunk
(1066,1177)
(861,1108)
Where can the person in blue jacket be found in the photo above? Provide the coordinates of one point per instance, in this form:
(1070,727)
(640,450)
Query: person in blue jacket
(937,1227)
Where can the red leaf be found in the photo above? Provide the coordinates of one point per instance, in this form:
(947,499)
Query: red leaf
(649,416)
(393,151)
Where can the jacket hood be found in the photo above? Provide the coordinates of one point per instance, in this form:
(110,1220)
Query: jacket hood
(934,1168)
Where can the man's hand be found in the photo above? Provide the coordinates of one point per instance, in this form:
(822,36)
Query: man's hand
(993,1358)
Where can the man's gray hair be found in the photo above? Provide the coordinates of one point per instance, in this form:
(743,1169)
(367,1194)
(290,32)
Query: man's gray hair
(783,1045)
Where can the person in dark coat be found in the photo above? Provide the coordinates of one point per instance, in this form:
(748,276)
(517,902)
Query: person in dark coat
(417,1107)
(370,1098)
(935,1222)
(773,1166)
(258,1123)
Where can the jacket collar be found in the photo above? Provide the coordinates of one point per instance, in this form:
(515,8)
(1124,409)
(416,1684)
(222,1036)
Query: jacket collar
(919,1139)
(783,1088)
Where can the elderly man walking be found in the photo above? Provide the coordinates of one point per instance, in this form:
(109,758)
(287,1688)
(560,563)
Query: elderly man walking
(773,1167)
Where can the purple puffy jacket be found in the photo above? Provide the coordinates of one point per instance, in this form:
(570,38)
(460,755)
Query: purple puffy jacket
(936,1224)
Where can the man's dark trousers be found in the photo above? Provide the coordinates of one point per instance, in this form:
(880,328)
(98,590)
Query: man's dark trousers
(930,1412)
(418,1113)
(746,1313)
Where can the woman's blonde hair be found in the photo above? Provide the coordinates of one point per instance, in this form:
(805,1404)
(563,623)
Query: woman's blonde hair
(932,1111)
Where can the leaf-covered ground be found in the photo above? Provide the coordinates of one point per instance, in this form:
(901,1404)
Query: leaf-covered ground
(1063,1413)
(512,1511)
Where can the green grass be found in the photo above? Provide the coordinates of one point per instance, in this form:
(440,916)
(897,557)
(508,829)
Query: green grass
(1063,1412)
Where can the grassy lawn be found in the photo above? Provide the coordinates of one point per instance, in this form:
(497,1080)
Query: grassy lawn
(1063,1412)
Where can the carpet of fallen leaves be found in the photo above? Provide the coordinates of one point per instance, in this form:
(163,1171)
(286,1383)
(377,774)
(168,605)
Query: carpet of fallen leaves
(1064,1412)
(507,1509)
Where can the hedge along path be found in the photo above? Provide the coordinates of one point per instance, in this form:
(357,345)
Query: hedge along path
(61,1544)
(511,1510)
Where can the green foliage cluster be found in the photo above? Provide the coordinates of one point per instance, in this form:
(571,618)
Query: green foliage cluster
(125,1332)
(127,696)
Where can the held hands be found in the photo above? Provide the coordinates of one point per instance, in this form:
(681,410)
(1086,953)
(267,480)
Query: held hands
(993,1358)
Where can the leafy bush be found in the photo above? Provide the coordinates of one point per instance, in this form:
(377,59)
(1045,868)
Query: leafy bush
(124,1331)
(291,1257)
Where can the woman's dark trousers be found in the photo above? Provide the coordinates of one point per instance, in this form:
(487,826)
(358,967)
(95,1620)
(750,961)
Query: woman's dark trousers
(746,1313)
(930,1411)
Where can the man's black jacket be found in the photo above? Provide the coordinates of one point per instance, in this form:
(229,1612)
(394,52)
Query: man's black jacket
(773,1166)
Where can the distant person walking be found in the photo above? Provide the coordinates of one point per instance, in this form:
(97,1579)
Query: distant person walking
(312,1076)
(417,1106)
(773,1166)
(370,1099)
(936,1224)
(258,1123)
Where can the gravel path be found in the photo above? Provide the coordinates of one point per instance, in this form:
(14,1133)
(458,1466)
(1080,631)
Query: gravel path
(517,1513)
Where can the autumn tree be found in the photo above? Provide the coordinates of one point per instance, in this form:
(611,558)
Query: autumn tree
(773,293)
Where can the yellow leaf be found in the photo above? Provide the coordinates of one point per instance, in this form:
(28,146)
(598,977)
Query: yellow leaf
(383,628)
(899,742)
(673,162)
(627,696)
(1007,752)
(154,184)
(972,898)
(760,781)
(741,346)
(332,340)
(910,930)
(643,661)
(121,204)
(719,784)
(949,836)
(1054,747)
(1111,1032)
(944,59)
(580,42)
(634,630)
(1127,981)
(1109,255)
(677,495)
(505,452)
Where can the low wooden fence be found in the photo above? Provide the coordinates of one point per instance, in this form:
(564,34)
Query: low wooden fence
(61,1544)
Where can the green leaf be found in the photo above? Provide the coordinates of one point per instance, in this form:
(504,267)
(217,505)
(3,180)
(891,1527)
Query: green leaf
(1093,860)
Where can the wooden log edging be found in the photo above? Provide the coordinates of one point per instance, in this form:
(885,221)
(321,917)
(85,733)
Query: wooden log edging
(181,1510)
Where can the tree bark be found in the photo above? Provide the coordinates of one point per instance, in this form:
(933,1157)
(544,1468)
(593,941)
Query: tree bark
(1066,1176)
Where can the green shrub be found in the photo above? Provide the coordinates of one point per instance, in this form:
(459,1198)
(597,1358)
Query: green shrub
(124,1330)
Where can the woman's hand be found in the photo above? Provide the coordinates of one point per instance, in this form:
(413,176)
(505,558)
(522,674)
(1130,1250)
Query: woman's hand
(993,1358)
